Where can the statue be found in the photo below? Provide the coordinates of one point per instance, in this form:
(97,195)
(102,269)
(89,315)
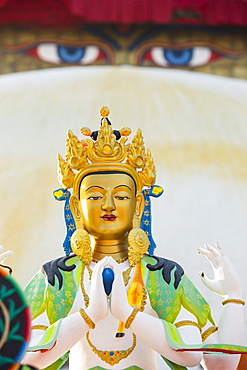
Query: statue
(111,303)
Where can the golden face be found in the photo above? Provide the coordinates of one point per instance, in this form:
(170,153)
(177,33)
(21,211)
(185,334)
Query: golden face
(107,205)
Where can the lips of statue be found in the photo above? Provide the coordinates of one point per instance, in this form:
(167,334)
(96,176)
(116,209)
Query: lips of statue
(110,217)
(108,205)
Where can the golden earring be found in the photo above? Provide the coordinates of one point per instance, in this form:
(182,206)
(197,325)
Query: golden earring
(81,246)
(138,245)
(136,222)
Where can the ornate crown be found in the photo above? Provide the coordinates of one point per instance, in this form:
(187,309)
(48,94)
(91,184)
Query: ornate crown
(105,150)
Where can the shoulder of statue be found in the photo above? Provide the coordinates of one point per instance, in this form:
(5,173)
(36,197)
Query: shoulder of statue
(56,267)
(155,263)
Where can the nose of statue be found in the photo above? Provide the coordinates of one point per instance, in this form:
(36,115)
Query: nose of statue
(108,204)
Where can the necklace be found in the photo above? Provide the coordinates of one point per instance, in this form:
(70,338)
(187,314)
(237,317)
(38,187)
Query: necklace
(112,357)
(83,290)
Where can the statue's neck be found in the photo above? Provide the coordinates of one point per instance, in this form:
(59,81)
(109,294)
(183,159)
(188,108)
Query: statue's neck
(117,249)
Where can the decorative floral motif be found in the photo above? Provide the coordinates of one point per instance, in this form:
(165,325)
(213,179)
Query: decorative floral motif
(138,245)
(80,244)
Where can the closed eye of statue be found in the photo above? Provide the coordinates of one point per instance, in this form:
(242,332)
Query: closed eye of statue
(121,197)
(95,198)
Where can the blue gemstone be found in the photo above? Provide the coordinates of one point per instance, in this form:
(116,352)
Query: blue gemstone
(111,353)
(108,277)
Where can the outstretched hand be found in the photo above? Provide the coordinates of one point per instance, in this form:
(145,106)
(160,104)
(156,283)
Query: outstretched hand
(4,255)
(226,281)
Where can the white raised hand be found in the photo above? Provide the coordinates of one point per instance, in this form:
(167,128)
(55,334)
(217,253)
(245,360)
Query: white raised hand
(226,281)
(98,307)
(4,255)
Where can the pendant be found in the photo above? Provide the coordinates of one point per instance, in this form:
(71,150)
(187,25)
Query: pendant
(108,277)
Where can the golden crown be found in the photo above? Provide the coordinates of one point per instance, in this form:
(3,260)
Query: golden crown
(107,152)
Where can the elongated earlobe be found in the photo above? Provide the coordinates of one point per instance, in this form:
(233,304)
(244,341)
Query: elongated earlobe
(138,210)
(76,210)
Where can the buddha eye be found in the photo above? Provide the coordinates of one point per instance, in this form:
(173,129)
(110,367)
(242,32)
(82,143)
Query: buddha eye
(95,198)
(121,198)
(179,57)
(62,54)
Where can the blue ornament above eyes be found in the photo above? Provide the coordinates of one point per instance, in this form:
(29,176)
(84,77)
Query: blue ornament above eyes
(108,277)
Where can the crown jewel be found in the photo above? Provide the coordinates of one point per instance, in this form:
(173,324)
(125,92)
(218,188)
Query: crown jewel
(105,146)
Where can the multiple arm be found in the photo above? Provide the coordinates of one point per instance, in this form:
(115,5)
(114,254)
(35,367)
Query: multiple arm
(71,330)
(3,256)
(73,324)
(231,325)
(149,328)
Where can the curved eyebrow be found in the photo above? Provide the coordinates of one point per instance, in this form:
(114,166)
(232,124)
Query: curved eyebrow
(94,186)
(120,186)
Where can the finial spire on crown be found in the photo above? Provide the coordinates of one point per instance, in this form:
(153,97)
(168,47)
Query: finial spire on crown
(105,148)
(104,111)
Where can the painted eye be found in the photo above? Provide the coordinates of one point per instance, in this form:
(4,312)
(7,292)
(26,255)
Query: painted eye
(121,198)
(70,54)
(59,54)
(95,198)
(189,57)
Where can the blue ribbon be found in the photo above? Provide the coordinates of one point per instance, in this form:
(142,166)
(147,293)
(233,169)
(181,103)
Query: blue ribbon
(146,221)
(62,194)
